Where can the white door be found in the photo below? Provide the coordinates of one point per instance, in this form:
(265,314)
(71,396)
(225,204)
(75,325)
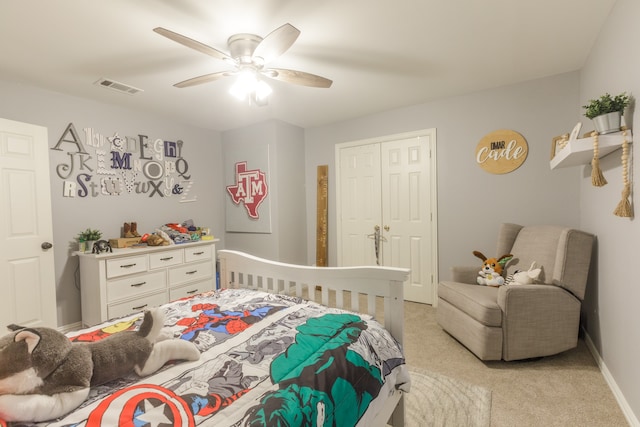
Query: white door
(27,282)
(388,186)
(360,203)
(406,213)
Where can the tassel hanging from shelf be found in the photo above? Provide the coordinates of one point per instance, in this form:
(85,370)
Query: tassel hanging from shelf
(597,178)
(624,207)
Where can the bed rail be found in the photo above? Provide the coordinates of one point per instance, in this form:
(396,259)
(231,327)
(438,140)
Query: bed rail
(330,286)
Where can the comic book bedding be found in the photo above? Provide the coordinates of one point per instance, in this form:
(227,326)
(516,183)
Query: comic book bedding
(266,360)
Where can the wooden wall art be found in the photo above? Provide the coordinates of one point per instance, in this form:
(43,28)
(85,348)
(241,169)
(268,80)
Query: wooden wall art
(322,216)
(501,151)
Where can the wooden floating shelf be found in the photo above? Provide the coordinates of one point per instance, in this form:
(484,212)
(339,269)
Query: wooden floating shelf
(580,151)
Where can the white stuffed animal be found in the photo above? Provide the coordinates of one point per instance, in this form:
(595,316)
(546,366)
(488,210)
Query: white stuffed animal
(522,277)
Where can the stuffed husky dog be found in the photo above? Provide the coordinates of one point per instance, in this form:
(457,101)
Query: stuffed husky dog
(43,375)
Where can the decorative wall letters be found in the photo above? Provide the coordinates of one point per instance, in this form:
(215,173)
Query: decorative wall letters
(113,166)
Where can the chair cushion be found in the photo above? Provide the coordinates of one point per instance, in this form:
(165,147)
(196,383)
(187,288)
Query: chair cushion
(536,243)
(479,302)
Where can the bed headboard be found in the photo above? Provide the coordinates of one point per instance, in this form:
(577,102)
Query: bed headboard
(341,287)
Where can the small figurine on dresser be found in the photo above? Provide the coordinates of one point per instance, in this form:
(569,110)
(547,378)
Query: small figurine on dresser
(101,246)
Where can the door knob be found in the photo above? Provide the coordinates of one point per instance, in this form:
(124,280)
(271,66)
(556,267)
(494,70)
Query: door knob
(386,228)
(46,245)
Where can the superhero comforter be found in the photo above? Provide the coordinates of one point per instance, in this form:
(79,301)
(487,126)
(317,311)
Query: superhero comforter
(265,360)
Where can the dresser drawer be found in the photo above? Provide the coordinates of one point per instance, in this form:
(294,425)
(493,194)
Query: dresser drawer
(190,290)
(129,265)
(137,305)
(199,253)
(131,286)
(165,258)
(190,273)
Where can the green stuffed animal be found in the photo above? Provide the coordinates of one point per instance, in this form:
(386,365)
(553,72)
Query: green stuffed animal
(43,375)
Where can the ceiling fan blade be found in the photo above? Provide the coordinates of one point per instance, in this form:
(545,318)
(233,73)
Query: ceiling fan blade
(276,42)
(297,77)
(193,44)
(204,79)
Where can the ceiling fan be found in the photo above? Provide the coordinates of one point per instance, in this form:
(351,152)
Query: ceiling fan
(250,53)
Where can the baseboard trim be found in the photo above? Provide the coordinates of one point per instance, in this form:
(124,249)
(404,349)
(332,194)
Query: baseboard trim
(617,393)
(70,327)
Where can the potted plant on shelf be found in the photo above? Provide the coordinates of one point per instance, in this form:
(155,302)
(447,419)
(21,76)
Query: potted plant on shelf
(606,111)
(88,237)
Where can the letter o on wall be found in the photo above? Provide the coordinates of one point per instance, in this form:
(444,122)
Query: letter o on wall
(153,170)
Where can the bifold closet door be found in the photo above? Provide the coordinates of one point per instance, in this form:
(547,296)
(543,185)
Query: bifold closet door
(406,214)
(385,209)
(360,203)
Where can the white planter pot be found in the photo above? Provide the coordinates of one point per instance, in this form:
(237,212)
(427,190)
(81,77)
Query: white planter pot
(89,248)
(607,123)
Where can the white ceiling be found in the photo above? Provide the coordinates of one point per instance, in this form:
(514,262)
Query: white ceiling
(380,54)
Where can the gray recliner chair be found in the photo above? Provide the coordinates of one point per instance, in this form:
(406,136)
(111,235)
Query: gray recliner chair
(513,322)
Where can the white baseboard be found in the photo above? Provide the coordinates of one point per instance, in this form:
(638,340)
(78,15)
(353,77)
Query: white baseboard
(617,393)
(70,327)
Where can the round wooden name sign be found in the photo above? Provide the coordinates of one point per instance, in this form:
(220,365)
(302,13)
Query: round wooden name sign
(501,151)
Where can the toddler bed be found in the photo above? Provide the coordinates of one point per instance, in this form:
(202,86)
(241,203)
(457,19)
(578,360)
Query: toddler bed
(280,345)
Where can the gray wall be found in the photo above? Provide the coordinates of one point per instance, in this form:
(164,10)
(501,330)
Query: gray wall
(202,149)
(471,202)
(612,300)
(287,240)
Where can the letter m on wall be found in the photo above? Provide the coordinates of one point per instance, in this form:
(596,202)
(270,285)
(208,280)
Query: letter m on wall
(120,161)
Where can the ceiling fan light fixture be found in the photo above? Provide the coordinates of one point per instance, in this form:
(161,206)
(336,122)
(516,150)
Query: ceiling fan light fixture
(250,54)
(249,86)
(263,90)
(245,84)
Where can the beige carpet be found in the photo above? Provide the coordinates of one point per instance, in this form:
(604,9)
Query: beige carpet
(556,391)
(437,400)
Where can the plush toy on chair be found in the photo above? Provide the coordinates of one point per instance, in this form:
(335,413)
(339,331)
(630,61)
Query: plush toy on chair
(524,277)
(43,375)
(491,272)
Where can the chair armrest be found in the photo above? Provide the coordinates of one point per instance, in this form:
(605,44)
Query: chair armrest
(532,299)
(538,320)
(464,274)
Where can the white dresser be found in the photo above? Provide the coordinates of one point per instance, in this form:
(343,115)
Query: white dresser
(134,279)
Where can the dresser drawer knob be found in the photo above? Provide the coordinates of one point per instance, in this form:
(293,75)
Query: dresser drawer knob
(198,253)
(192,292)
(135,285)
(140,307)
(166,259)
(192,272)
(128,265)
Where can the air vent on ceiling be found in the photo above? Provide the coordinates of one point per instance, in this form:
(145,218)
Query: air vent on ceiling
(117,86)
